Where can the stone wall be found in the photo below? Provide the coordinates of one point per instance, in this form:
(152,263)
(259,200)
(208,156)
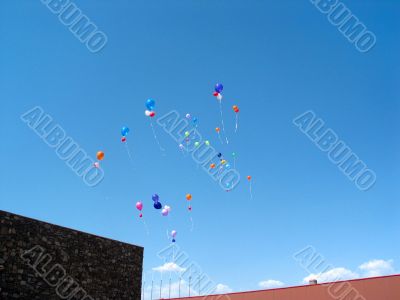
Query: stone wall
(44,261)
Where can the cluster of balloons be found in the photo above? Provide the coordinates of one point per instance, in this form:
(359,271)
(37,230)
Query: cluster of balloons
(194,119)
(235,108)
(166,210)
(150,105)
(157,204)
(139,206)
(124,133)
(173,235)
(189,198)
(217,91)
(99,156)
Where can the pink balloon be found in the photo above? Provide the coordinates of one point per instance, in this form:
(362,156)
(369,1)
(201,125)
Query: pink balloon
(173,233)
(164,212)
(139,205)
(96,165)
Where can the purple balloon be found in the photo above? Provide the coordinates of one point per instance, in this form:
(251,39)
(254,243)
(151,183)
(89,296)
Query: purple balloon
(155,198)
(219,87)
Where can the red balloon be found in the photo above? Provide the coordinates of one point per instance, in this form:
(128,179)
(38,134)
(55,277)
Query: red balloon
(152,114)
(215,94)
(123,139)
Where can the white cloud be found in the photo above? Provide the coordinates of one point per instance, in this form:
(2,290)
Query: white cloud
(335,274)
(169,267)
(270,284)
(222,289)
(377,267)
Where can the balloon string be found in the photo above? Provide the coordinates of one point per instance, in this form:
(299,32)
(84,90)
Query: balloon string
(155,136)
(222,121)
(251,193)
(145,226)
(234,162)
(192,223)
(129,152)
(219,136)
(237,121)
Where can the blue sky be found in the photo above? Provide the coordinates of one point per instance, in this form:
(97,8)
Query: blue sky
(276,59)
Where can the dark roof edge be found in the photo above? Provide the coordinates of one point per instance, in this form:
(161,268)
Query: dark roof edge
(63,227)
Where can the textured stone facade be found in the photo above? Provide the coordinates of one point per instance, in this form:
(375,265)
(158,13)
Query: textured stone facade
(44,261)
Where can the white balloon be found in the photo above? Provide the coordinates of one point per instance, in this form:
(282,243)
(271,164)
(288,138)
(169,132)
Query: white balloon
(219,97)
(147,112)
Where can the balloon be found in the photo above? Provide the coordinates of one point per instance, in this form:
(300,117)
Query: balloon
(207,143)
(152,114)
(249,178)
(173,240)
(141,215)
(212,166)
(124,131)
(217,129)
(219,87)
(139,205)
(188,116)
(173,233)
(190,208)
(219,97)
(188,197)
(227,166)
(181,146)
(96,165)
(196,144)
(155,198)
(219,154)
(187,133)
(215,94)
(100,155)
(147,113)
(223,161)
(150,104)
(123,139)
(167,208)
(233,154)
(157,205)
(195,120)
(164,212)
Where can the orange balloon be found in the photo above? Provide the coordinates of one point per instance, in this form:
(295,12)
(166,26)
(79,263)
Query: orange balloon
(212,166)
(249,177)
(188,197)
(217,129)
(100,155)
(235,107)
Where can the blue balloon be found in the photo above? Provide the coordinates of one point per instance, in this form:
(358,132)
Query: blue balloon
(219,154)
(157,205)
(219,87)
(124,131)
(150,104)
(155,198)
(173,240)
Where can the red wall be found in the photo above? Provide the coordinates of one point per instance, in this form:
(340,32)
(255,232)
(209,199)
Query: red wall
(378,288)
